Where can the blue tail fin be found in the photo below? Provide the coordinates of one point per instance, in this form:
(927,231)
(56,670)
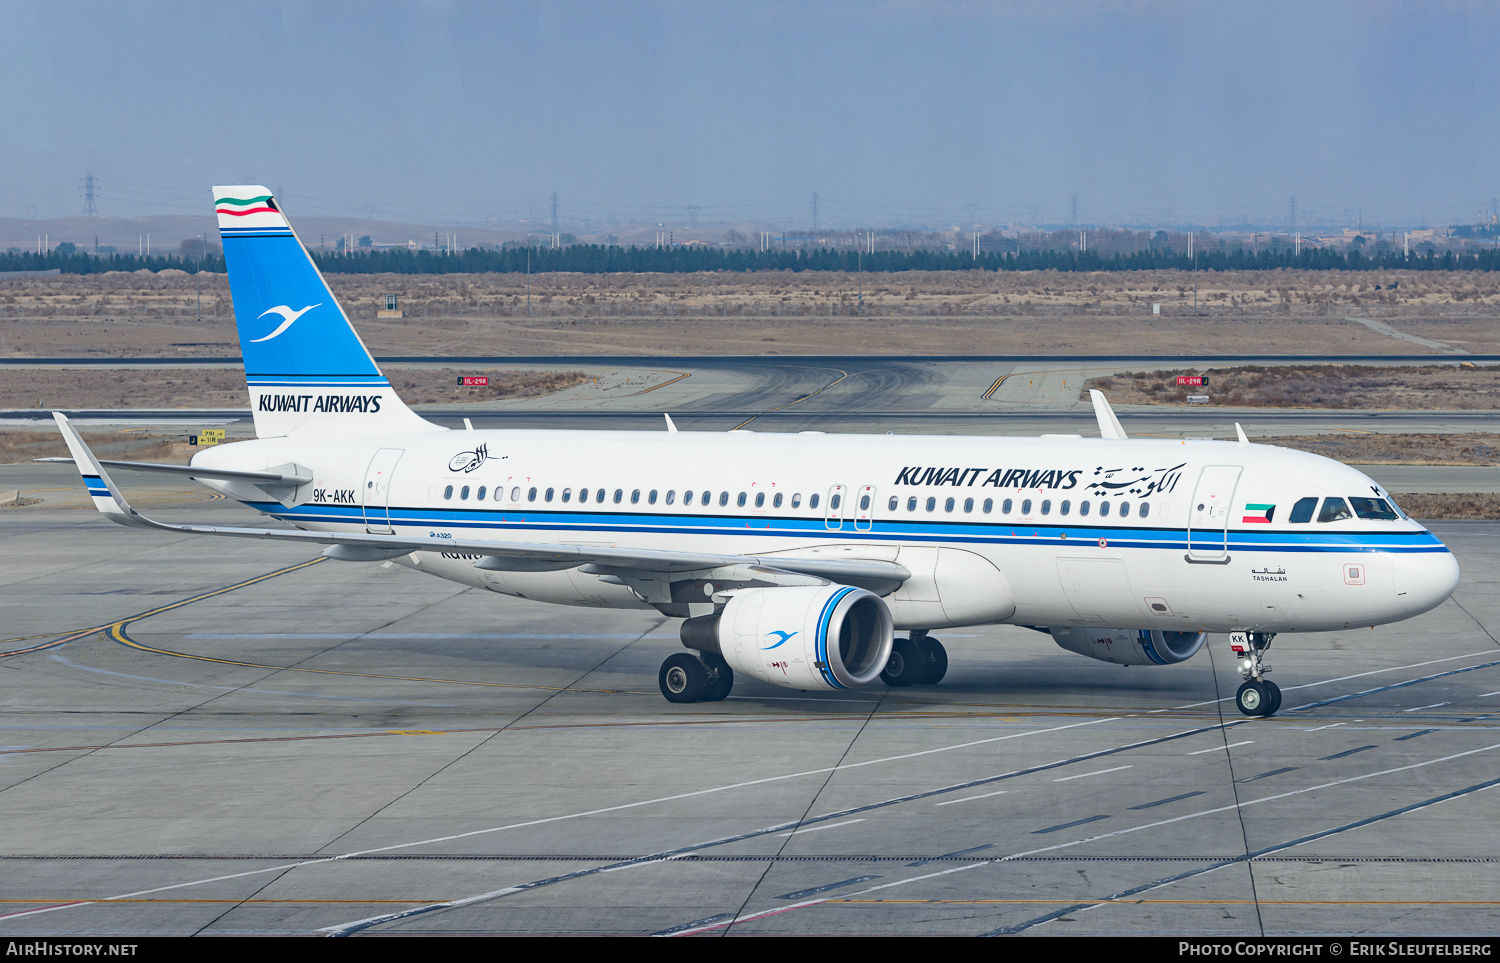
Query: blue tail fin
(305,366)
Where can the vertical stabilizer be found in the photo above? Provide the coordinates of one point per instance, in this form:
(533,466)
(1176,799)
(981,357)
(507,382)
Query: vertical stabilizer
(306,368)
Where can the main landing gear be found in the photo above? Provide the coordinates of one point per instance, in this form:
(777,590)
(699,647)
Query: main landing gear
(1258,696)
(704,677)
(919,660)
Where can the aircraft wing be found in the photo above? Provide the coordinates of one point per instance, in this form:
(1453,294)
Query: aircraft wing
(221,474)
(359,546)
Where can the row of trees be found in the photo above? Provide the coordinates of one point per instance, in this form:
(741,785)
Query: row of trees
(600,259)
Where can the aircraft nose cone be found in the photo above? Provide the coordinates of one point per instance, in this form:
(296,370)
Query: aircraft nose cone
(1424,581)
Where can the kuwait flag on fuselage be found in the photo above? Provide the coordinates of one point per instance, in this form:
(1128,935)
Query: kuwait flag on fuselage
(240,206)
(1259,514)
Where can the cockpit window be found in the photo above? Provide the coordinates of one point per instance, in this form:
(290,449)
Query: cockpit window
(1303,511)
(1334,510)
(1373,508)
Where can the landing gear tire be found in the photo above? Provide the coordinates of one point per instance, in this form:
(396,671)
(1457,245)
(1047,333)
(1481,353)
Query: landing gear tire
(684,678)
(1255,698)
(720,678)
(906,665)
(1275,692)
(935,661)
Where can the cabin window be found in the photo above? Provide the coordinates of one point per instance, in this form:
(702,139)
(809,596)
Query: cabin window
(448,493)
(989,503)
(1303,510)
(834,502)
(671,495)
(864,503)
(1124,509)
(1026,506)
(530,495)
(1083,508)
(619,495)
(932,504)
(547,497)
(948,505)
(1103,509)
(463,494)
(1144,510)
(723,499)
(499,493)
(1374,509)
(599,495)
(687,497)
(1334,510)
(567,494)
(812,501)
(651,498)
(583,495)
(515,494)
(479,495)
(760,499)
(911,504)
(740,501)
(635,496)
(893,503)
(968,505)
(1065,507)
(1005,506)
(1046,506)
(776,501)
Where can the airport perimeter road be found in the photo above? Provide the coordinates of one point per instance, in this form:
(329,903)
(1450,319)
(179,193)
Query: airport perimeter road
(200,736)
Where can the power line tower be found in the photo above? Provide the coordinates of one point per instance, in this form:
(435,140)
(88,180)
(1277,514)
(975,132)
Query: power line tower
(89,210)
(815,224)
(554,212)
(693,210)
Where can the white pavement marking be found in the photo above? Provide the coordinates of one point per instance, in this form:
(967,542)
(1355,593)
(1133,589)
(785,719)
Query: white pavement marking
(1420,708)
(283,867)
(1344,678)
(813,829)
(954,802)
(1077,842)
(1097,772)
(1200,752)
(1486,695)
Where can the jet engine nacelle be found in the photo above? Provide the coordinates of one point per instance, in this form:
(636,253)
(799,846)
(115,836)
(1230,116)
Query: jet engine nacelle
(801,637)
(1130,646)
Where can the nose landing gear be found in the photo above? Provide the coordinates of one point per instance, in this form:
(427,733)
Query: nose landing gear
(1258,696)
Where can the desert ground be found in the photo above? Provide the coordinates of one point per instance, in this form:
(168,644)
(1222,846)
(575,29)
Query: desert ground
(930,313)
(1458,386)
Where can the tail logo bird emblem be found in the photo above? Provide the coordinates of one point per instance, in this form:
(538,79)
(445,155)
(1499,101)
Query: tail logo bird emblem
(287,317)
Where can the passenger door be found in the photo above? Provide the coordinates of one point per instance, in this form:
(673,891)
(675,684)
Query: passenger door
(1209,514)
(377,490)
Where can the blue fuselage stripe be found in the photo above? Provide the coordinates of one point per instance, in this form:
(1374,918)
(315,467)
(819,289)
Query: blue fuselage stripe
(988,533)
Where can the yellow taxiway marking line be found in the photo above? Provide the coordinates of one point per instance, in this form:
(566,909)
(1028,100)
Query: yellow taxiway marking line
(992,388)
(647,391)
(842,375)
(112,626)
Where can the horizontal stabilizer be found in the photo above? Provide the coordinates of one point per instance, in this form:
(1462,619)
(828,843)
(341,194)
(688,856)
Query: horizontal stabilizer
(221,474)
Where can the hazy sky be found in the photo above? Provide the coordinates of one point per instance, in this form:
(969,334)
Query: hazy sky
(890,110)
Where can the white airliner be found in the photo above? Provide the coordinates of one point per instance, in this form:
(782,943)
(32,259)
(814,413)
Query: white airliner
(795,558)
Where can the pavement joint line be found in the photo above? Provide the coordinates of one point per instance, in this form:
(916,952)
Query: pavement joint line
(582,814)
(1121,832)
